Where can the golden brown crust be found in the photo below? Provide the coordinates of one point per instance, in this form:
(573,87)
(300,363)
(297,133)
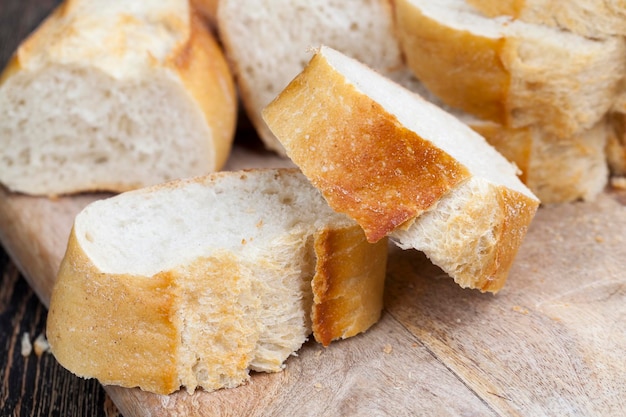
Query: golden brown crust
(483,88)
(616,144)
(352,138)
(203,69)
(87,311)
(347,296)
(493,8)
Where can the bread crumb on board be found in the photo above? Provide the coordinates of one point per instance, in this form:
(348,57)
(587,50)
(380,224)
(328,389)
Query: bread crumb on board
(27,347)
(388,349)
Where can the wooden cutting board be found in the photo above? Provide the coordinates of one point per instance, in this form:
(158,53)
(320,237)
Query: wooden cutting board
(552,342)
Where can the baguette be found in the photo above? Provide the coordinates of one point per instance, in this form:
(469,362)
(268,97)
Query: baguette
(511,72)
(402,167)
(268,46)
(591,18)
(196,282)
(114,96)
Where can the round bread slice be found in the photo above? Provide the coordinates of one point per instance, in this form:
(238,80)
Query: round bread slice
(591,18)
(387,157)
(196,282)
(511,72)
(115,96)
(269,45)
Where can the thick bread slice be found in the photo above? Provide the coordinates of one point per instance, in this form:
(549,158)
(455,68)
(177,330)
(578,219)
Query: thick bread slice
(196,282)
(591,18)
(514,73)
(387,158)
(268,45)
(113,96)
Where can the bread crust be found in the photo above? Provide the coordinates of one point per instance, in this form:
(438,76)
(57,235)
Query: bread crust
(406,173)
(346,295)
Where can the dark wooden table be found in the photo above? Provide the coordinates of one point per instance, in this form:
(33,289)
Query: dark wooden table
(34,385)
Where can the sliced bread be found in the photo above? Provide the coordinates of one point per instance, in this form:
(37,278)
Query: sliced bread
(511,72)
(112,95)
(196,282)
(268,45)
(404,168)
(591,18)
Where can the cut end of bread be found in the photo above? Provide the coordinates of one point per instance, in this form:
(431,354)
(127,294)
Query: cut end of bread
(196,283)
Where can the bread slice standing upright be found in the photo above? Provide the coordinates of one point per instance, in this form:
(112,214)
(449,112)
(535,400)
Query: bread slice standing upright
(511,72)
(267,43)
(404,168)
(114,95)
(196,282)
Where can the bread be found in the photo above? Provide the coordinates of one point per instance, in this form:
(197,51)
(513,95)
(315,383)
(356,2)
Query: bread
(592,18)
(556,170)
(196,282)
(115,96)
(208,9)
(269,45)
(404,168)
(511,72)
(616,146)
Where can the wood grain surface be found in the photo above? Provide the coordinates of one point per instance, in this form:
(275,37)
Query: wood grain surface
(551,343)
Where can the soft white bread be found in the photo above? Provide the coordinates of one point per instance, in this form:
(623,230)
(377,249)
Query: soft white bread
(592,18)
(113,95)
(556,170)
(514,73)
(268,45)
(196,282)
(401,166)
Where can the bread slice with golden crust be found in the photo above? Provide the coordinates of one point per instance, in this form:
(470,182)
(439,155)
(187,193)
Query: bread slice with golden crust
(591,18)
(511,72)
(269,44)
(402,167)
(113,96)
(196,282)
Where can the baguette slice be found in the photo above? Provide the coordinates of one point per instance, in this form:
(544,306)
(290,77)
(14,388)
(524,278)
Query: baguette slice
(196,282)
(591,18)
(109,95)
(513,73)
(401,166)
(269,45)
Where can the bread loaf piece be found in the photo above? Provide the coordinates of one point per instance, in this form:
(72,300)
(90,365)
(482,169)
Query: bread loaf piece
(513,73)
(591,18)
(112,95)
(404,168)
(196,282)
(268,45)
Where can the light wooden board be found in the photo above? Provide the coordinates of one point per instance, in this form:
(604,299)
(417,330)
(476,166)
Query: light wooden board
(552,342)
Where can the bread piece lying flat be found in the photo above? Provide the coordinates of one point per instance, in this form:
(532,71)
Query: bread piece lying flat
(195,282)
(556,170)
(390,160)
(510,72)
(111,95)
(592,18)
(269,45)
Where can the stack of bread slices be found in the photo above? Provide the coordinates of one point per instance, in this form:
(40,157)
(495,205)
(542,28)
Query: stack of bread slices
(432,125)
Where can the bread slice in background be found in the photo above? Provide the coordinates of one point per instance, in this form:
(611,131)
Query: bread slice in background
(591,18)
(196,282)
(268,44)
(111,95)
(404,168)
(513,73)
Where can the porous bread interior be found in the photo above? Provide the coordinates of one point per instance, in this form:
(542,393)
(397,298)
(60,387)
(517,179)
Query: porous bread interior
(270,45)
(265,229)
(69,127)
(430,122)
